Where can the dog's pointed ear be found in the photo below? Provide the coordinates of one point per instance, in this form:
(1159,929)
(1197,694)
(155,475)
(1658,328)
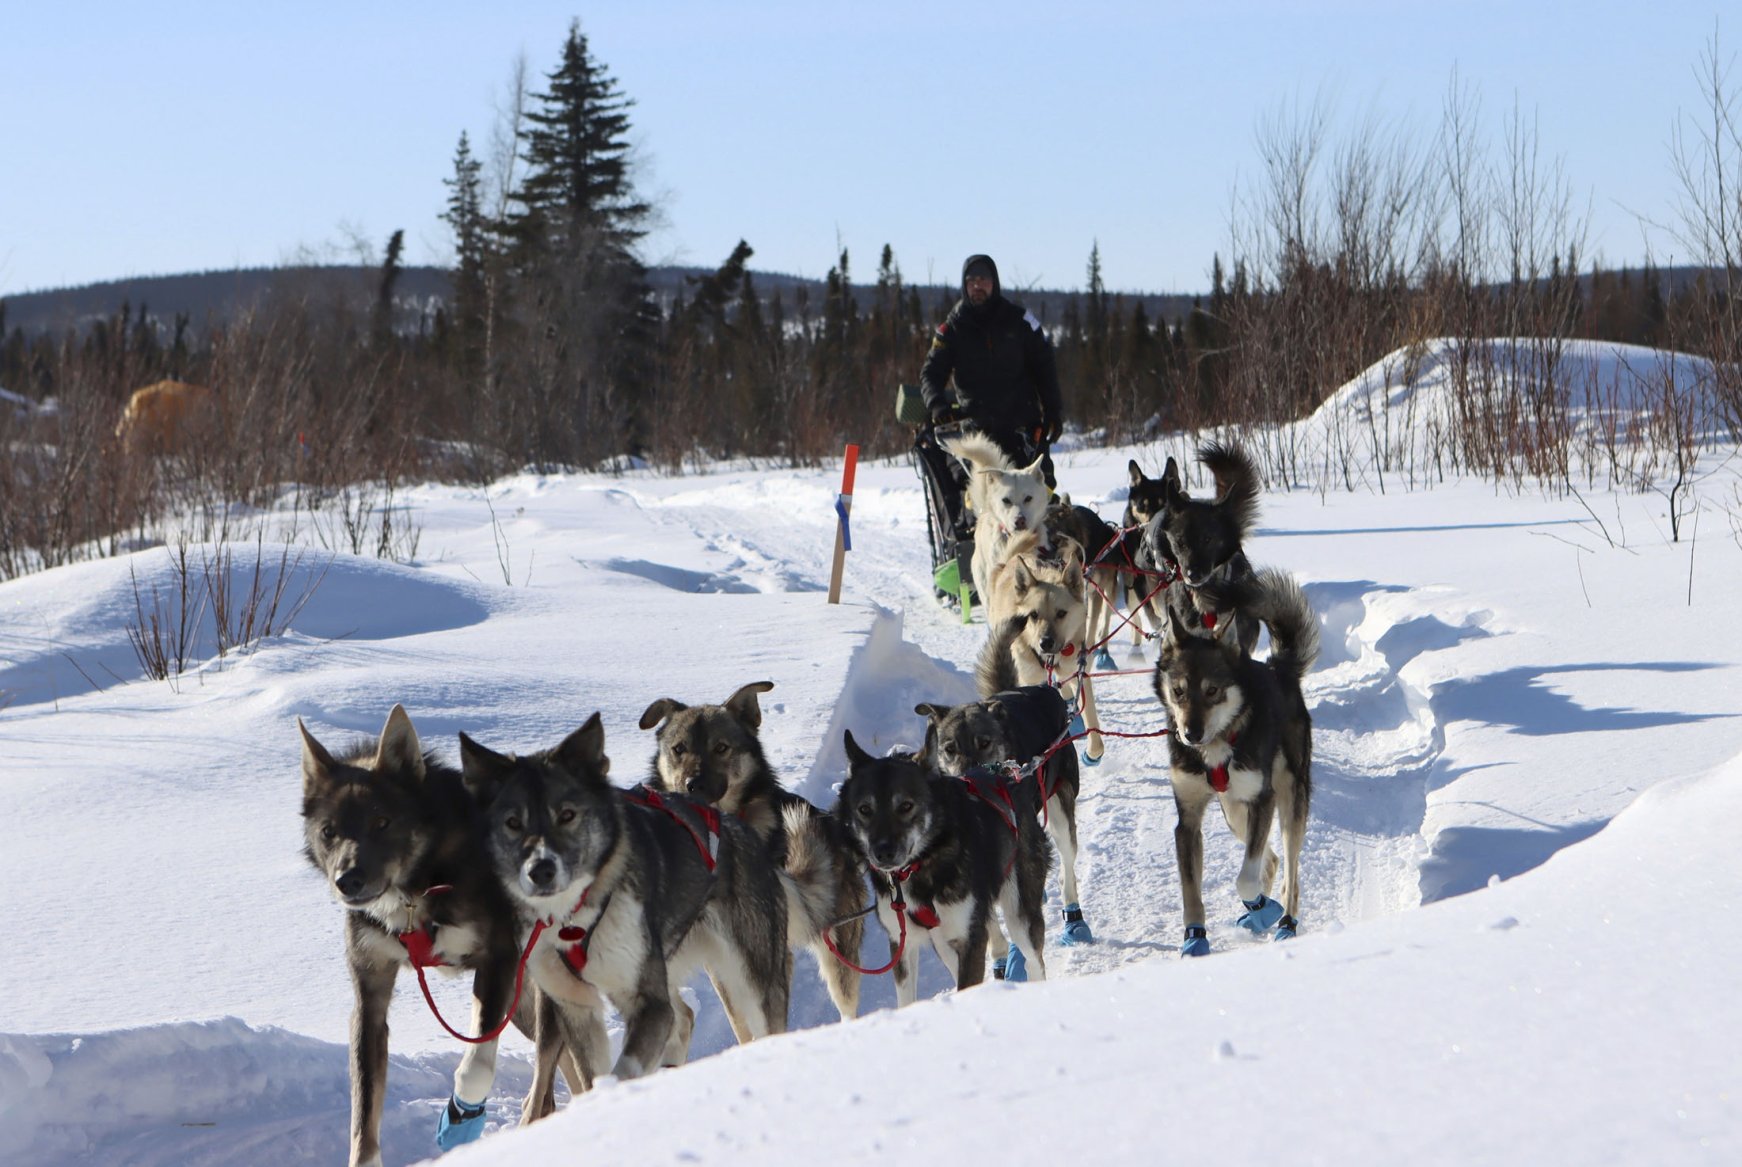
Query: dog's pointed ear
(399,749)
(583,751)
(856,757)
(1173,494)
(482,770)
(932,713)
(1034,468)
(317,764)
(660,710)
(1136,473)
(743,706)
(1022,575)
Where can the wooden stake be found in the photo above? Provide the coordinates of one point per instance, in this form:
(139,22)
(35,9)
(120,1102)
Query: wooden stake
(843,507)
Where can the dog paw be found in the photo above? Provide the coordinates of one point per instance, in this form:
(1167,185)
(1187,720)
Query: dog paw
(1015,965)
(1087,760)
(461,1123)
(1197,941)
(1285,928)
(1076,928)
(998,969)
(1077,728)
(1261,914)
(1104,661)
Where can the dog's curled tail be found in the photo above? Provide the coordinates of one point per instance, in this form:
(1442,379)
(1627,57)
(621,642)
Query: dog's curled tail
(1294,628)
(978,450)
(995,670)
(1237,483)
(809,877)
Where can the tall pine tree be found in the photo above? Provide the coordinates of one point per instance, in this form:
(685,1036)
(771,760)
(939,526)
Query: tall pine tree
(465,217)
(573,234)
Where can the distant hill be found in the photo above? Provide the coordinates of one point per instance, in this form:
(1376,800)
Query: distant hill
(212,297)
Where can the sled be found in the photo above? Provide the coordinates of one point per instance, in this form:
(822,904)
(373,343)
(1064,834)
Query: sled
(949,522)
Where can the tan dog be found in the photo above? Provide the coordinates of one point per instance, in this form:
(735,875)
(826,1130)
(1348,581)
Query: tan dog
(713,754)
(1038,624)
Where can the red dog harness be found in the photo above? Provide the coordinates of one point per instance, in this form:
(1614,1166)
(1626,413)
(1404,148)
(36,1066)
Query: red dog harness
(1219,774)
(710,816)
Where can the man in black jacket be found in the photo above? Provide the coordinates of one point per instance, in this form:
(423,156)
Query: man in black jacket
(1006,381)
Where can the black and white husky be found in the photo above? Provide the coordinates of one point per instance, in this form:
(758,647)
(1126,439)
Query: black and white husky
(940,857)
(1240,733)
(629,893)
(1202,542)
(1005,733)
(400,843)
(713,754)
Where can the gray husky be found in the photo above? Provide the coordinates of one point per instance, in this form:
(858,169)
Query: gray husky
(1006,731)
(713,754)
(1202,541)
(628,892)
(1240,733)
(400,843)
(940,856)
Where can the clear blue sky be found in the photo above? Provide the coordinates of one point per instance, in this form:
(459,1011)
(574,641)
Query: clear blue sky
(149,138)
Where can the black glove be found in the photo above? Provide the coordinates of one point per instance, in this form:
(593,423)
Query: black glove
(1050,430)
(944,414)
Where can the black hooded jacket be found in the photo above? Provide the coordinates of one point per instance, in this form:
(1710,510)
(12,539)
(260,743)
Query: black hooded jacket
(1005,376)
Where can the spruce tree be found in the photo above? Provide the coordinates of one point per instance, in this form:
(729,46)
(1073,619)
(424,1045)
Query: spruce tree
(465,217)
(573,236)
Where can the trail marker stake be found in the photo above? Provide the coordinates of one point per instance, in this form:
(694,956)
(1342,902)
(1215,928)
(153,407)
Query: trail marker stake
(843,536)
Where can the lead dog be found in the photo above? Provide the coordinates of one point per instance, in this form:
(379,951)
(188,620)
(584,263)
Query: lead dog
(1013,731)
(1241,734)
(713,753)
(628,894)
(397,837)
(945,857)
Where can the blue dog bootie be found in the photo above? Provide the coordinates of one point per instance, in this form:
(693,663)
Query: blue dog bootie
(1015,965)
(1285,928)
(461,1123)
(1104,660)
(998,969)
(1076,928)
(1261,914)
(1077,728)
(1197,941)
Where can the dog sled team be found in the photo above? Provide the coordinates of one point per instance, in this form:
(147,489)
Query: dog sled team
(564,893)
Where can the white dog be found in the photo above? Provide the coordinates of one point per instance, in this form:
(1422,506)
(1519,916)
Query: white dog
(1006,499)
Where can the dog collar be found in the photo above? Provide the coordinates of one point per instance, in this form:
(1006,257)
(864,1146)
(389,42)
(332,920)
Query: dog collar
(419,943)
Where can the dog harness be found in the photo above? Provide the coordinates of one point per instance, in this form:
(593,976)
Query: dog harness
(925,915)
(1219,774)
(577,939)
(710,847)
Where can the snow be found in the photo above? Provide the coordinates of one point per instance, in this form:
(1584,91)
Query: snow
(1515,941)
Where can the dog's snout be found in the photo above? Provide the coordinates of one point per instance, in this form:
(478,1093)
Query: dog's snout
(1022,522)
(349,882)
(541,873)
(1049,644)
(885,852)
